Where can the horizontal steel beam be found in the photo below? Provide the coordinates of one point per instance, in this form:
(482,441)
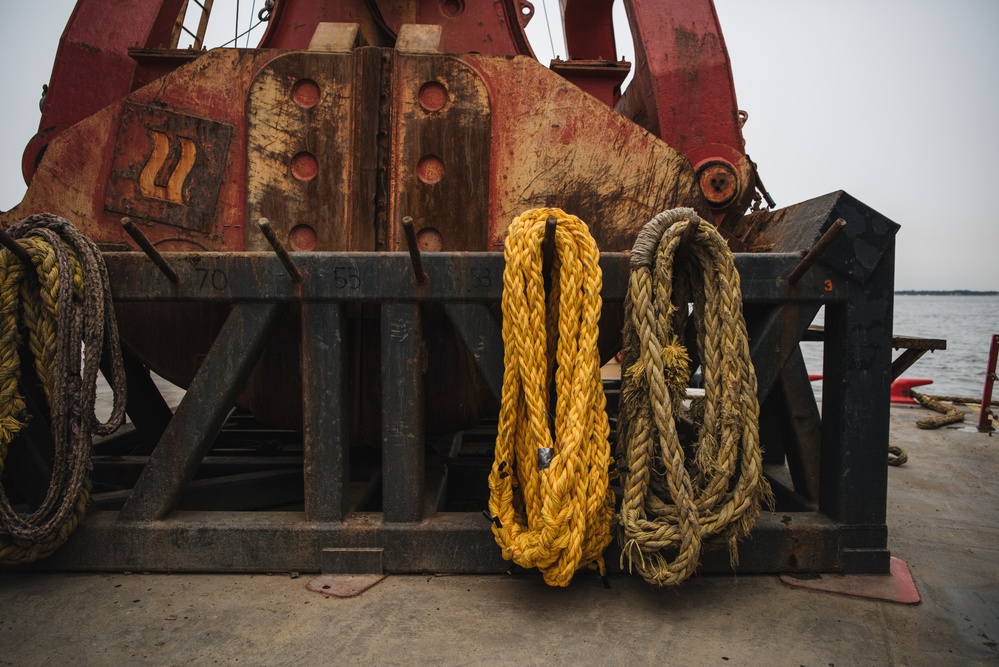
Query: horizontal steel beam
(453,277)
(459,543)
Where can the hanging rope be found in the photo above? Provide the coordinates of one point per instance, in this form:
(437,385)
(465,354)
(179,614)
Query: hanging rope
(62,306)
(549,496)
(675,498)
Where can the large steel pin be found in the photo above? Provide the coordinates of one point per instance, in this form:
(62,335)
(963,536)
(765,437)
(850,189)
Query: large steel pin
(816,251)
(414,251)
(151,252)
(682,253)
(296,274)
(548,252)
(8,242)
(687,238)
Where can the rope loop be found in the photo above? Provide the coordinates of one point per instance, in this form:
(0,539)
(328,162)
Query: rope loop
(549,488)
(60,309)
(678,495)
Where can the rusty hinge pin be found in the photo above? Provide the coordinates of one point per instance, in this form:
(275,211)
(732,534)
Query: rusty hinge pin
(414,250)
(816,251)
(548,256)
(151,252)
(548,250)
(265,227)
(687,238)
(8,242)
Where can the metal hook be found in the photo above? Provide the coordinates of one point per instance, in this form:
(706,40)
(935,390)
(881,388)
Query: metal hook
(151,252)
(816,251)
(414,251)
(296,274)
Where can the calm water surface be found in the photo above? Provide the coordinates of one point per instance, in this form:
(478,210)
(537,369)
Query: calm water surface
(965,322)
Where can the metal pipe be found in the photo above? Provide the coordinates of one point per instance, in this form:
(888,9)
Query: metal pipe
(548,252)
(296,275)
(682,251)
(687,238)
(990,378)
(151,252)
(7,241)
(820,247)
(414,251)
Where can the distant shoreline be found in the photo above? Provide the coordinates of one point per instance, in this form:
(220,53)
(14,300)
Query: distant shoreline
(949,292)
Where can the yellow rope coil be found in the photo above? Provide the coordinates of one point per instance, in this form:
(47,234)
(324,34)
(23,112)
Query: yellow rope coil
(674,500)
(549,497)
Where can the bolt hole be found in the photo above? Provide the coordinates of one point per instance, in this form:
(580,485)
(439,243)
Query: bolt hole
(304,166)
(429,240)
(306,93)
(303,238)
(430,169)
(452,8)
(433,96)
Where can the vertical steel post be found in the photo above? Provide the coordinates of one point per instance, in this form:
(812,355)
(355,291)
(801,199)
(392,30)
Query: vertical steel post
(324,412)
(402,412)
(855,411)
(990,378)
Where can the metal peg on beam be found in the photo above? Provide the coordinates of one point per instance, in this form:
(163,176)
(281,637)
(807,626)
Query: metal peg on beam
(548,251)
(687,238)
(151,252)
(414,251)
(8,242)
(820,247)
(548,254)
(296,274)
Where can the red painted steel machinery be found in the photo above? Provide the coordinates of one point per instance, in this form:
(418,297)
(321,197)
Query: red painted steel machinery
(352,115)
(335,136)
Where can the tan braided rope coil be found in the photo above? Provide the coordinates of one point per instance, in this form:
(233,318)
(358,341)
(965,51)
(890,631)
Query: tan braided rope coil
(673,502)
(558,518)
(948,414)
(63,305)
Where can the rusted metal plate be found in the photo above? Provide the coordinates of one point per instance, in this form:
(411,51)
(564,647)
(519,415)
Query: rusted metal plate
(440,155)
(306,158)
(554,145)
(74,176)
(344,585)
(167,167)
(896,586)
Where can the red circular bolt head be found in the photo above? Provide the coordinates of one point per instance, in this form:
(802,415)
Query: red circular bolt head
(719,183)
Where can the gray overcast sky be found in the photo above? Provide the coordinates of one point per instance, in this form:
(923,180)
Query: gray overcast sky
(893,101)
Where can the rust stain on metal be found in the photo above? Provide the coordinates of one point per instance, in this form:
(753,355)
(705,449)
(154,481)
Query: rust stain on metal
(440,157)
(301,148)
(559,146)
(167,167)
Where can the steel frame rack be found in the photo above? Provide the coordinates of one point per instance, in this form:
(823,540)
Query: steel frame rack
(830,470)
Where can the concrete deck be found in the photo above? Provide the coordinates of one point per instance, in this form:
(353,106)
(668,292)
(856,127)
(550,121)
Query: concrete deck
(943,521)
